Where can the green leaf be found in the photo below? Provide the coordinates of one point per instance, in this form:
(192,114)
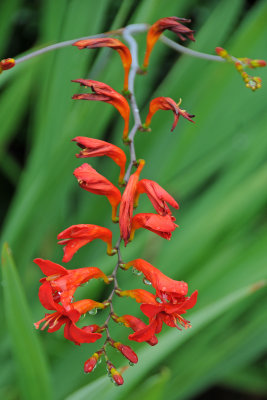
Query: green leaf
(31,364)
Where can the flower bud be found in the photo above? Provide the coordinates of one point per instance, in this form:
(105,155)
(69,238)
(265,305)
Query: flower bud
(90,364)
(7,64)
(126,351)
(115,375)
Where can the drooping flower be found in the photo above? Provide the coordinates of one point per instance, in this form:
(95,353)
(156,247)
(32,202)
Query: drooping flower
(60,283)
(171,24)
(115,44)
(252,82)
(90,180)
(103,92)
(167,289)
(136,324)
(7,63)
(166,103)
(54,321)
(159,224)
(126,351)
(76,236)
(97,148)
(170,314)
(127,203)
(157,195)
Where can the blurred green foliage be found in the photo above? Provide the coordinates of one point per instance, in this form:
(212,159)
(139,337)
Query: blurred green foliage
(216,169)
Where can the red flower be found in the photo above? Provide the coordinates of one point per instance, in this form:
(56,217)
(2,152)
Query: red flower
(103,92)
(6,64)
(77,335)
(166,103)
(157,195)
(136,324)
(159,224)
(167,289)
(168,313)
(60,283)
(97,148)
(115,44)
(77,236)
(127,203)
(90,180)
(170,23)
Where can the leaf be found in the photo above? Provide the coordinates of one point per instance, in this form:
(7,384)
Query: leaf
(31,364)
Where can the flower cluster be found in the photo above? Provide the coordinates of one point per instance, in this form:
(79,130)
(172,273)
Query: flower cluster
(252,82)
(169,301)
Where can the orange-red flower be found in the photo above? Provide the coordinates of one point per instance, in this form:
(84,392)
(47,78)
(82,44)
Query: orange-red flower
(115,44)
(7,64)
(90,180)
(157,195)
(61,316)
(103,92)
(159,224)
(60,283)
(79,235)
(168,313)
(136,324)
(166,103)
(97,148)
(171,24)
(167,289)
(127,203)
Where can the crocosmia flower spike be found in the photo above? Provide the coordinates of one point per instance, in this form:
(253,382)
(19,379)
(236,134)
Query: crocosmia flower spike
(166,103)
(103,92)
(90,180)
(115,44)
(76,236)
(7,63)
(171,24)
(252,82)
(97,148)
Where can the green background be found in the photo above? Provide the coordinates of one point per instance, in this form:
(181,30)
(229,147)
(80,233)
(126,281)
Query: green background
(215,168)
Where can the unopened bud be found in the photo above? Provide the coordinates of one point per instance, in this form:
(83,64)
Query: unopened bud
(7,64)
(126,351)
(90,364)
(221,52)
(115,375)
